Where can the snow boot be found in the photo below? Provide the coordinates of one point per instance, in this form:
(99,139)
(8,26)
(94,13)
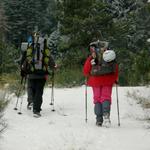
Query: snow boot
(106,122)
(99,114)
(36,114)
(29,106)
(99,122)
(106,113)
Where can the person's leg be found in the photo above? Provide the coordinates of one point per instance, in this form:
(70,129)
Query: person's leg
(106,113)
(38,95)
(29,94)
(106,98)
(99,113)
(98,106)
(96,94)
(106,103)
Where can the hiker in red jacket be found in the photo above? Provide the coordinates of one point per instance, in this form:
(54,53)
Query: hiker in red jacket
(101,74)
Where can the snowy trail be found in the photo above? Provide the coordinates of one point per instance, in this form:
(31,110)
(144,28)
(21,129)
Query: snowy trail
(65,129)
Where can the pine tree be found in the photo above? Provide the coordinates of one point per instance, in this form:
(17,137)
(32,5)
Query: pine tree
(3,23)
(53,41)
(3,104)
(24,17)
(81,20)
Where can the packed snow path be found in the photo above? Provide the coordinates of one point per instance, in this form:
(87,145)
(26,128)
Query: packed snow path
(66,129)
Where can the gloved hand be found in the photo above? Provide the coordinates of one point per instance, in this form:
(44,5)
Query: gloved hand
(116,82)
(23,74)
(46,77)
(56,66)
(93,62)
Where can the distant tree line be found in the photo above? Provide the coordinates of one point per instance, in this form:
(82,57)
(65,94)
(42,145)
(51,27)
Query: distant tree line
(124,24)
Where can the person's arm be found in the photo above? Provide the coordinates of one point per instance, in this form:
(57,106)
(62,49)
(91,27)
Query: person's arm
(87,66)
(23,57)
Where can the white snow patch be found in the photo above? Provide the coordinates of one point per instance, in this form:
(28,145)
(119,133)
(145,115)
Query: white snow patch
(66,129)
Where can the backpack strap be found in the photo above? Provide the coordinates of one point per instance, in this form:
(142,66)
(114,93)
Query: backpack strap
(46,56)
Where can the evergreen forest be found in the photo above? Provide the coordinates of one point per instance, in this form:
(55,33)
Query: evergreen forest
(69,26)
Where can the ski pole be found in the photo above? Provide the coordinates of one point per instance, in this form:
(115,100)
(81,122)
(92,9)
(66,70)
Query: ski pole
(18,94)
(22,98)
(52,92)
(117,105)
(53,74)
(86,100)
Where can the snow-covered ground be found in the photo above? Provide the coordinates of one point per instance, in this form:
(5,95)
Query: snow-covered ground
(66,129)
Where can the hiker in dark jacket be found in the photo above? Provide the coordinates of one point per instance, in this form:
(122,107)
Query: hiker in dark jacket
(36,65)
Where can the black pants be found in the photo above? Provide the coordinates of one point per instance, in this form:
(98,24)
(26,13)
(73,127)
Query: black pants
(37,86)
(29,91)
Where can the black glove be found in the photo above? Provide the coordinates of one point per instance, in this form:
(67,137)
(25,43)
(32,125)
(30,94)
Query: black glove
(23,73)
(25,68)
(116,82)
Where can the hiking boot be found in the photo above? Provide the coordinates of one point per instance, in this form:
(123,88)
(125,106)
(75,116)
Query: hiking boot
(29,106)
(106,120)
(36,114)
(99,123)
(99,120)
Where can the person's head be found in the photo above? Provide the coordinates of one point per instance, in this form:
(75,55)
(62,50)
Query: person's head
(36,36)
(96,50)
(92,51)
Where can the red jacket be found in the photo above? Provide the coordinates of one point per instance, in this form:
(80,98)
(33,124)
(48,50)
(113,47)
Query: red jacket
(101,80)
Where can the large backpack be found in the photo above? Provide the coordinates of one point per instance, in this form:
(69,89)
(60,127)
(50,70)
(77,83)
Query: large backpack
(36,59)
(102,66)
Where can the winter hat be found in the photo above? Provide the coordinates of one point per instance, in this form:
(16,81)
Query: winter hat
(109,55)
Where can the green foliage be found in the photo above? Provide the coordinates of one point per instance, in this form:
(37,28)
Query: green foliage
(125,24)
(82,20)
(3,124)
(124,59)
(24,17)
(118,23)
(72,57)
(138,30)
(140,69)
(8,54)
(3,22)
(133,67)
(3,103)
(69,77)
